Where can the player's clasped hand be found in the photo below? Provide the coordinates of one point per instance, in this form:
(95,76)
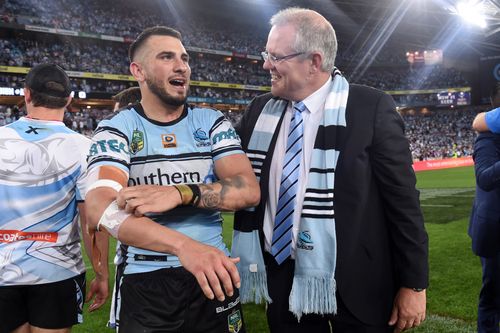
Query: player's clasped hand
(142,199)
(211,267)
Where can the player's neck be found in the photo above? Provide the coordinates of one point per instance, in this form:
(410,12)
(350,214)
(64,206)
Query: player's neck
(156,110)
(41,113)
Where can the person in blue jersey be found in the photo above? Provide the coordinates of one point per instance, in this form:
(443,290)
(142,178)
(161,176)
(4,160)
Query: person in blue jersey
(490,121)
(125,97)
(484,227)
(43,173)
(161,171)
(339,233)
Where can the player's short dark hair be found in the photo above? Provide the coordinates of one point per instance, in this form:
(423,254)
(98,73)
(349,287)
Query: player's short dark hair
(128,96)
(148,32)
(49,86)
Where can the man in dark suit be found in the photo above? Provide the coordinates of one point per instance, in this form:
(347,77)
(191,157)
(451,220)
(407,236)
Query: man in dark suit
(378,247)
(484,227)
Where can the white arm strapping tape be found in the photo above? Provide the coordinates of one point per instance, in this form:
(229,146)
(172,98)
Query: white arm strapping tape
(112,218)
(105,183)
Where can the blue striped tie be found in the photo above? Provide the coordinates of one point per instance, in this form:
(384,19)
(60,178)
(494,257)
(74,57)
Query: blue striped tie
(283,223)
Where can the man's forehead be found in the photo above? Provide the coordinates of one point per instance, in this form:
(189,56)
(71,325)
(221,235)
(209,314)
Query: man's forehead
(281,36)
(164,43)
(156,44)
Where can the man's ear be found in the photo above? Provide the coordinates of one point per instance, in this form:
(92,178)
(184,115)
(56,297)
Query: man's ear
(27,96)
(137,71)
(70,99)
(316,62)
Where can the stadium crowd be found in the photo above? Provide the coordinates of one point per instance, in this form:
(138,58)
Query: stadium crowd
(436,135)
(88,56)
(433,135)
(441,134)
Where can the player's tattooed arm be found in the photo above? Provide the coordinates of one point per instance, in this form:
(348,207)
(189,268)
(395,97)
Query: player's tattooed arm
(221,195)
(237,189)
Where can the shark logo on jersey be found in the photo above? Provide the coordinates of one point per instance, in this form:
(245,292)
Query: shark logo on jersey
(201,137)
(137,142)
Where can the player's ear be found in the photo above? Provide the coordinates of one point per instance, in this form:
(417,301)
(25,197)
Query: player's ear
(137,71)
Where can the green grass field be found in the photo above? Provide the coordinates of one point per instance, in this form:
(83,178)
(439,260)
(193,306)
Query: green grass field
(455,273)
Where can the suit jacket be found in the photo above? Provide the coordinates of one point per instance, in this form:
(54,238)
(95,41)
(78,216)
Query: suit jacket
(382,243)
(484,227)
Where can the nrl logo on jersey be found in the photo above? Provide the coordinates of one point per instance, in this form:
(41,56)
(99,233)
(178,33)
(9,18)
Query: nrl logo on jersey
(234,322)
(137,142)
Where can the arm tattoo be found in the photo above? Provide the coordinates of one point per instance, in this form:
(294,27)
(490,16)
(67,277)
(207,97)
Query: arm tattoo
(210,198)
(214,199)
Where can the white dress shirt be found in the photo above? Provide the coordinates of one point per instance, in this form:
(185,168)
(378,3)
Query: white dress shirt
(312,117)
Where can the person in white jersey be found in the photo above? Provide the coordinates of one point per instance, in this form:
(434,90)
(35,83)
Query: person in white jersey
(43,173)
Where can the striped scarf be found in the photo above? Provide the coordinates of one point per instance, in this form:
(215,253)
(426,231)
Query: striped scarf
(313,289)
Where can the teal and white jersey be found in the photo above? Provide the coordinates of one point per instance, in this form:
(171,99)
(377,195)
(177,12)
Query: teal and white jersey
(43,173)
(178,152)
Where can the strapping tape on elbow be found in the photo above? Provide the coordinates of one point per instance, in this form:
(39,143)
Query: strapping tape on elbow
(105,183)
(112,219)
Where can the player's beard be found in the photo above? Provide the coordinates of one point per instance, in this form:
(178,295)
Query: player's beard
(158,88)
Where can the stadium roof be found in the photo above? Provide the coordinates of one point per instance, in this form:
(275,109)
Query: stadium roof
(410,24)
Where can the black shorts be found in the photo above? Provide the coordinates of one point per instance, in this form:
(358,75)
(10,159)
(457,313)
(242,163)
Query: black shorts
(51,306)
(170,300)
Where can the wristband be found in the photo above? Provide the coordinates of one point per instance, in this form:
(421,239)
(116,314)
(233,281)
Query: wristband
(185,192)
(190,194)
(195,189)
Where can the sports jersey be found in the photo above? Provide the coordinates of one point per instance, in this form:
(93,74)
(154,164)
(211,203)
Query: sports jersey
(492,119)
(156,153)
(42,175)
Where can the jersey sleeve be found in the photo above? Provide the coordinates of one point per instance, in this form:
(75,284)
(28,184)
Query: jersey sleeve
(110,145)
(492,119)
(84,145)
(225,141)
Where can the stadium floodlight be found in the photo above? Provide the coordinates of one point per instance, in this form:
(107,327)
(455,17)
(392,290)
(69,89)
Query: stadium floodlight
(472,11)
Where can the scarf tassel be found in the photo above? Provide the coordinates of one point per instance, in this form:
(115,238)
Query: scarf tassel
(313,294)
(246,246)
(254,287)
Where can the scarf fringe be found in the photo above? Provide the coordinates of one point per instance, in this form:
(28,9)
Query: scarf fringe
(313,294)
(253,287)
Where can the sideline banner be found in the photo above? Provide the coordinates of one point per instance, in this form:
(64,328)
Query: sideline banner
(443,164)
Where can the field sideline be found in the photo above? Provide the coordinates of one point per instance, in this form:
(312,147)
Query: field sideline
(455,273)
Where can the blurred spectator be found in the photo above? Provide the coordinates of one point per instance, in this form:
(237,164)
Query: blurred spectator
(125,97)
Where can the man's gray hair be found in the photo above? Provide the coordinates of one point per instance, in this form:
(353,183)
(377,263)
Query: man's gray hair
(314,33)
